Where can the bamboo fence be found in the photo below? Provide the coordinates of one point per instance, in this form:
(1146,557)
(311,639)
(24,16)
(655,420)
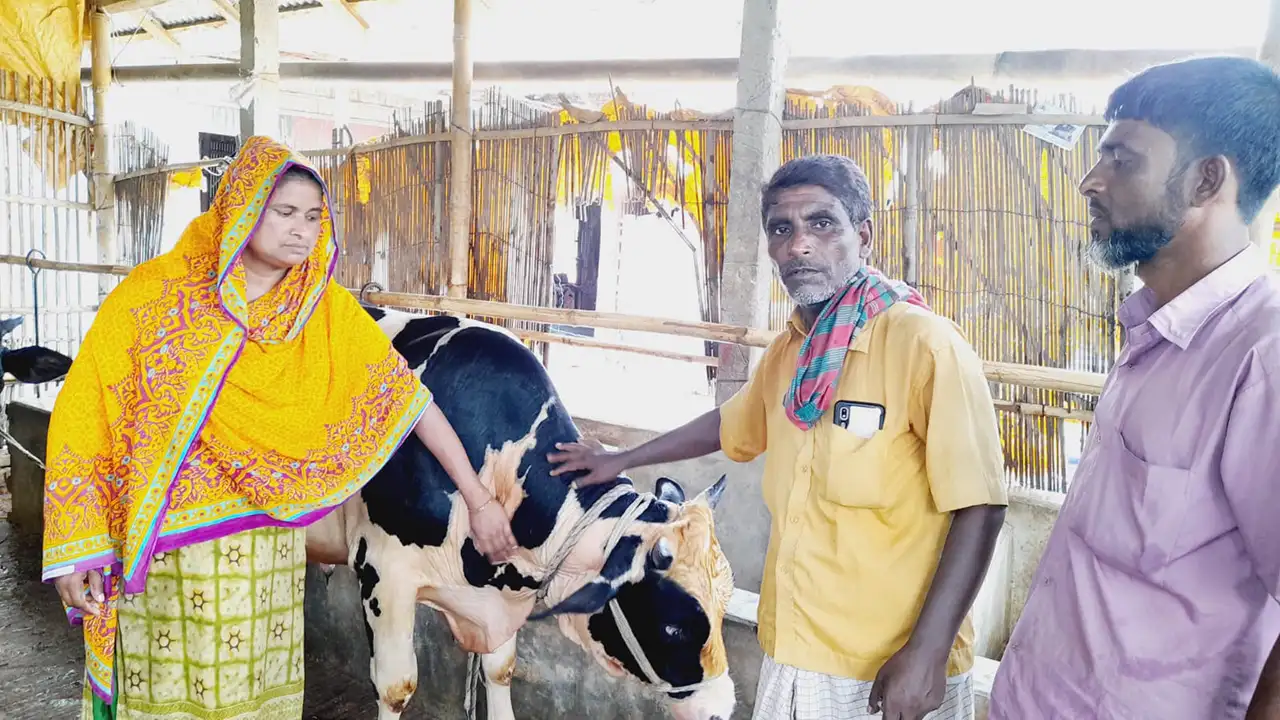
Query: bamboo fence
(45,210)
(981,216)
(138,224)
(1065,381)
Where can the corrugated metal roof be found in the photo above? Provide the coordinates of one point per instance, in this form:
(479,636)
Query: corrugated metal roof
(175,14)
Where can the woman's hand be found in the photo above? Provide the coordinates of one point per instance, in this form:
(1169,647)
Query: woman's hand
(600,465)
(491,531)
(490,526)
(71,588)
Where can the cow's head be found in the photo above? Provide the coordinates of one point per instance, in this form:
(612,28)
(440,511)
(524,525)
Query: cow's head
(32,364)
(673,585)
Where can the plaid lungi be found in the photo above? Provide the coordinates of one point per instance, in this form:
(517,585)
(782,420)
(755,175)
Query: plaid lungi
(788,693)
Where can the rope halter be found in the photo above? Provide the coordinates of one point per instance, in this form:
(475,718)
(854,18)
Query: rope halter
(638,505)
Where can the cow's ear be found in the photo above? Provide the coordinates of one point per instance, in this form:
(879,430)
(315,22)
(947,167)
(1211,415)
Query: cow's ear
(669,490)
(624,565)
(713,494)
(588,600)
(35,364)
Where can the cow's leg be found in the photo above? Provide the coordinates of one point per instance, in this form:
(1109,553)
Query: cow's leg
(499,666)
(389,605)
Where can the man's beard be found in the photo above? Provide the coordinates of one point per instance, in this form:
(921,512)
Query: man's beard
(1140,242)
(810,294)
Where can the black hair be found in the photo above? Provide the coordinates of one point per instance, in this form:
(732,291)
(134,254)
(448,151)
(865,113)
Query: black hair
(836,174)
(300,172)
(1228,106)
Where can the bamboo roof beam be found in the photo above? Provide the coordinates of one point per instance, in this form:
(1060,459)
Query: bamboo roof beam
(1028,66)
(228,10)
(122,6)
(153,28)
(347,9)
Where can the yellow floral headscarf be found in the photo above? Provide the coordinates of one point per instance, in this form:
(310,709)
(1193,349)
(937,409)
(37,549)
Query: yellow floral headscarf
(191,414)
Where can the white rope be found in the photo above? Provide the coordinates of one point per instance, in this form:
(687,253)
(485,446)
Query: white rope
(637,508)
(9,440)
(475,676)
(579,528)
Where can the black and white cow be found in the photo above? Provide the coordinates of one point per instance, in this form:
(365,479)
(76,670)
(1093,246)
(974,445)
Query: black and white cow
(406,537)
(32,364)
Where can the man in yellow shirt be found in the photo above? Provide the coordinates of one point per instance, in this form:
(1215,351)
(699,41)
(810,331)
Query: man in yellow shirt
(883,474)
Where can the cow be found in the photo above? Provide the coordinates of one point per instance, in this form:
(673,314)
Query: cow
(31,364)
(664,585)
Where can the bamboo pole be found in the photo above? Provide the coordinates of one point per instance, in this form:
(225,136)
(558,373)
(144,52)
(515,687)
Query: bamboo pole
(863,121)
(44,112)
(575,341)
(1069,381)
(911,208)
(461,153)
(91,268)
(1038,410)
(1015,66)
(104,195)
(260,64)
(752,337)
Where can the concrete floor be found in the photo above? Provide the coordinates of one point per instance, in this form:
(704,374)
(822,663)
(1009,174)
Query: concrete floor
(41,655)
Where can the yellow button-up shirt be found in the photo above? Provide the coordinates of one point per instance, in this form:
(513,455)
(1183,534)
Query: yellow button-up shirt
(861,506)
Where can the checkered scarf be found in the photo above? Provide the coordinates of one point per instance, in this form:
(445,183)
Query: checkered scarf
(823,352)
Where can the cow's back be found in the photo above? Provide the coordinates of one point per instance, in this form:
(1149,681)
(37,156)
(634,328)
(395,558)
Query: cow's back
(493,390)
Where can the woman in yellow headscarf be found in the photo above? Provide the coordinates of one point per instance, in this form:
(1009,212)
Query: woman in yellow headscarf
(228,394)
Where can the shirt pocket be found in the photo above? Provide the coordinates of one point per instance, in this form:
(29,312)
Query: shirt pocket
(852,467)
(1129,511)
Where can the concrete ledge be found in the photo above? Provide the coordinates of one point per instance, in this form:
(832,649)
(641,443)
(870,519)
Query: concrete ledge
(984,677)
(1042,499)
(743,607)
(29,425)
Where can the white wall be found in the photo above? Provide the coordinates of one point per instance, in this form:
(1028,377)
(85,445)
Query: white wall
(1027,525)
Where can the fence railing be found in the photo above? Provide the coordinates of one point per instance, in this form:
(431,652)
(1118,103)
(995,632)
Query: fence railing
(1056,379)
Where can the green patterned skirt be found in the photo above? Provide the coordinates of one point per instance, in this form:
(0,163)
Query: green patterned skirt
(216,636)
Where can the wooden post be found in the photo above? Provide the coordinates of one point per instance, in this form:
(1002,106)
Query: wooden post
(260,63)
(911,206)
(1262,231)
(757,150)
(461,153)
(103,188)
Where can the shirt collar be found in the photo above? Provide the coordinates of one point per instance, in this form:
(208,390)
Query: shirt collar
(1179,320)
(796,325)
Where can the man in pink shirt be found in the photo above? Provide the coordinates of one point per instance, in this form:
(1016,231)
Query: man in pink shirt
(1157,594)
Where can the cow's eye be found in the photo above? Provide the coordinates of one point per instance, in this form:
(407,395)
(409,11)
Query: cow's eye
(671,631)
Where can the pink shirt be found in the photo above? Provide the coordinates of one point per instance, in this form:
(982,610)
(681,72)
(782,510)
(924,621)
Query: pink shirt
(1157,593)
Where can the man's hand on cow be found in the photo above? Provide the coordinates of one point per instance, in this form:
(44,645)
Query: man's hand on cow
(491,531)
(910,685)
(83,591)
(600,465)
